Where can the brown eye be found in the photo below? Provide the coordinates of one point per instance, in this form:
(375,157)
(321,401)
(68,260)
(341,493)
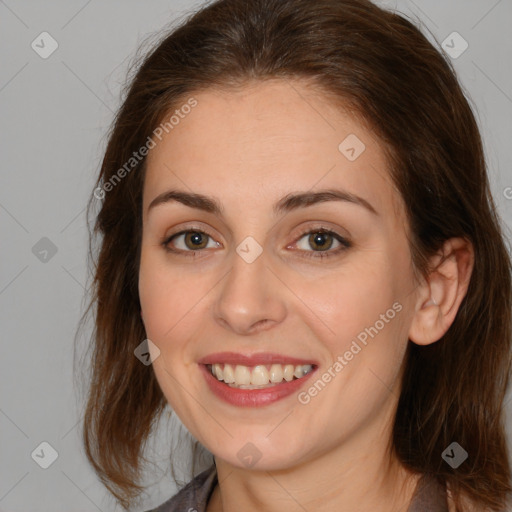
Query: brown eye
(196,240)
(317,243)
(320,240)
(189,242)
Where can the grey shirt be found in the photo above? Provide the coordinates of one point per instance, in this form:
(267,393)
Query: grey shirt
(429,496)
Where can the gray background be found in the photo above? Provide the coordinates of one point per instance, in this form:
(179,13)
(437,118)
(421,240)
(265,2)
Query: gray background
(55,113)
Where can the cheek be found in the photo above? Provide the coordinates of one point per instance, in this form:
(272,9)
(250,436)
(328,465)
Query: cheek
(351,301)
(365,312)
(165,295)
(167,299)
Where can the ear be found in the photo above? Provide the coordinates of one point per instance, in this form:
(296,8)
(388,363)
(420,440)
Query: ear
(440,294)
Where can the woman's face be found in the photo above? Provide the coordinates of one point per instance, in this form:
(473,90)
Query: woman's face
(250,279)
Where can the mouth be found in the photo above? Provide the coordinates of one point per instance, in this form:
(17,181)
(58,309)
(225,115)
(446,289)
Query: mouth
(259,376)
(257,379)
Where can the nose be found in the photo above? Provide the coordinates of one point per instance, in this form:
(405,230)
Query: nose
(250,297)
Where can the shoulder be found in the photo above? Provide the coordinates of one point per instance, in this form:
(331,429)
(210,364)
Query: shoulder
(193,496)
(429,494)
(466,504)
(433,495)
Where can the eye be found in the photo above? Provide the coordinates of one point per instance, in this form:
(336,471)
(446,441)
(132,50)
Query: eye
(322,240)
(189,241)
(192,242)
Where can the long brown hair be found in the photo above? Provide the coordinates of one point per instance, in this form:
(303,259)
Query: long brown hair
(379,64)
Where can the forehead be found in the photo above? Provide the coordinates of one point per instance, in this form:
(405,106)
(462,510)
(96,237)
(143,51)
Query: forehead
(261,141)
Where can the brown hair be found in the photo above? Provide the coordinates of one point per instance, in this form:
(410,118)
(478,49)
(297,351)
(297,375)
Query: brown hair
(380,65)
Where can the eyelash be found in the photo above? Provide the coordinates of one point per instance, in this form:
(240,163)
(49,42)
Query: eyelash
(345,244)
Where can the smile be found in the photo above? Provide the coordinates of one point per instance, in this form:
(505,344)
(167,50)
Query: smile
(259,376)
(257,379)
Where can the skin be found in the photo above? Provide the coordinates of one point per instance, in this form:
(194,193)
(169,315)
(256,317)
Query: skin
(248,149)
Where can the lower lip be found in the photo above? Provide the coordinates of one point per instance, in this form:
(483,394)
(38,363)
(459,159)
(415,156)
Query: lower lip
(252,397)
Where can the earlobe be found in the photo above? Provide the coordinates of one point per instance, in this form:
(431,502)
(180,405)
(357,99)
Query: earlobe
(441,293)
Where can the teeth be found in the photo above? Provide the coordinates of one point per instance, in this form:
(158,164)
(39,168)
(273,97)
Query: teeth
(288,372)
(242,375)
(260,376)
(217,371)
(229,374)
(276,373)
(298,372)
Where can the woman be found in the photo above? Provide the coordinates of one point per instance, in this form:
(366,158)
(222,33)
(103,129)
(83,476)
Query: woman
(297,232)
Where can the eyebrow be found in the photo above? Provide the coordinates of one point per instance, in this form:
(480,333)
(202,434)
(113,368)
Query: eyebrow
(286,204)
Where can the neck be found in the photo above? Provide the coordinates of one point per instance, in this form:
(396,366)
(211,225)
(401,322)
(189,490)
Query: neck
(341,480)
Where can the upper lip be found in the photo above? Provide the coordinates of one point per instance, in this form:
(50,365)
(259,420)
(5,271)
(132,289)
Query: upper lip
(262,358)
